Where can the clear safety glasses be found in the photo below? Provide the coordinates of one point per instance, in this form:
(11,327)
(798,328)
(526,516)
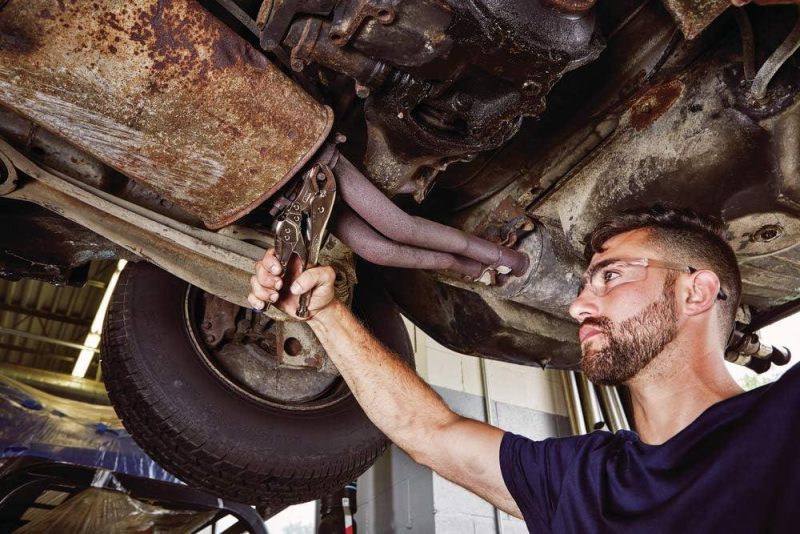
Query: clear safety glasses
(608,274)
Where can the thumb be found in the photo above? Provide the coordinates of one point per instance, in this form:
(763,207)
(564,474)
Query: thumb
(312,278)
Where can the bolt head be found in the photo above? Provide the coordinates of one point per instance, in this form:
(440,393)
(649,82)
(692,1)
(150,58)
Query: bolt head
(362,91)
(463,102)
(531,86)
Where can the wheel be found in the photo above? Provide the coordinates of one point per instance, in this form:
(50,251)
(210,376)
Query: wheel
(218,412)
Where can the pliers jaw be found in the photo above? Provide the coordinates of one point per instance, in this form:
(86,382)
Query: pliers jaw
(288,241)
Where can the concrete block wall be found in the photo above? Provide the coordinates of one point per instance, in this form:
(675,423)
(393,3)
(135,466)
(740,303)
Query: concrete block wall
(399,496)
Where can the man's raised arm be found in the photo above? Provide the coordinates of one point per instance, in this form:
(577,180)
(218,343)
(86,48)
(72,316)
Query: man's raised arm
(392,395)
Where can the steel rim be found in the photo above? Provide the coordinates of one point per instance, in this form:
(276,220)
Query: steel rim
(331,396)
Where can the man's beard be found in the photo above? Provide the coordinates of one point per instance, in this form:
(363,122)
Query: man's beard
(633,343)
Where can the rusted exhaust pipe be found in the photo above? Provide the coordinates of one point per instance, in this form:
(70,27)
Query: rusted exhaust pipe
(391,221)
(375,248)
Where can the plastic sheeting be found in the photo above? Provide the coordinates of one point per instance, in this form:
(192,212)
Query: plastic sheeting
(36,424)
(94,510)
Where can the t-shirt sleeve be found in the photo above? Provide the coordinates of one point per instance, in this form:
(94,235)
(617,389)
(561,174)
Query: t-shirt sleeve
(533,471)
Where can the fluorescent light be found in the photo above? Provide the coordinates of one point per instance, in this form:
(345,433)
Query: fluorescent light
(93,337)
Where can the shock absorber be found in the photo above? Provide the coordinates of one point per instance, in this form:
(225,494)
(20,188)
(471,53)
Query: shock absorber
(746,349)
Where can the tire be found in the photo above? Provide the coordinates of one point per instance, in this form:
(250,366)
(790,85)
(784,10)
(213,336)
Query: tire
(207,433)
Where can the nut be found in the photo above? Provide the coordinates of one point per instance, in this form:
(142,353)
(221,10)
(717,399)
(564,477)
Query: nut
(767,233)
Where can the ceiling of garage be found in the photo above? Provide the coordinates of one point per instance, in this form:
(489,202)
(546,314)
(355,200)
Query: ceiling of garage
(43,326)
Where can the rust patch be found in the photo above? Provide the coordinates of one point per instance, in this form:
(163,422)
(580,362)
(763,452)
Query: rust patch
(694,16)
(163,92)
(173,31)
(506,223)
(655,103)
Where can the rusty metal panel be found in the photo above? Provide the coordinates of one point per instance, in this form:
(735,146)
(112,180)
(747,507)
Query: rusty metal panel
(694,16)
(163,92)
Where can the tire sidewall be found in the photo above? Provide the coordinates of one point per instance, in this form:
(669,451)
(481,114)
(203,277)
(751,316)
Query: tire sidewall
(174,384)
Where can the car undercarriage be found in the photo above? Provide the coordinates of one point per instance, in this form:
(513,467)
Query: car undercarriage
(473,145)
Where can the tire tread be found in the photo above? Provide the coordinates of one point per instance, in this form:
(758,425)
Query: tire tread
(155,426)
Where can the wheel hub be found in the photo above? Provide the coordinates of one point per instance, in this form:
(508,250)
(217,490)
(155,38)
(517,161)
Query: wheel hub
(270,361)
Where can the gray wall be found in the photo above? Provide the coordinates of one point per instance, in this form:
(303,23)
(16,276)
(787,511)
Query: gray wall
(399,496)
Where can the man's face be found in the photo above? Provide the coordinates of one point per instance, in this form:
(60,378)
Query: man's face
(624,330)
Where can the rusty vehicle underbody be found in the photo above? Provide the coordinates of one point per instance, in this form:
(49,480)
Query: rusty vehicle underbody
(474,144)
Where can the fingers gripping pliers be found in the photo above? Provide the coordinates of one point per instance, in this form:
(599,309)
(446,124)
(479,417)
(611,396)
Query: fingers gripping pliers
(301,229)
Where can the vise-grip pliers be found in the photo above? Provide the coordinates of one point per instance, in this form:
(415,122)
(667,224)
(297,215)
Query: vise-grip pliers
(301,228)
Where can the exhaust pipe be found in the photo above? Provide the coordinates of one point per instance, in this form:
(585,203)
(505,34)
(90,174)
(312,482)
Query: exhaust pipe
(375,248)
(391,221)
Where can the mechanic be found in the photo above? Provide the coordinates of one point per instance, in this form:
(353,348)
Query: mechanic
(656,309)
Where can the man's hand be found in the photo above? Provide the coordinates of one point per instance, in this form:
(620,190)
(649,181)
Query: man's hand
(268,286)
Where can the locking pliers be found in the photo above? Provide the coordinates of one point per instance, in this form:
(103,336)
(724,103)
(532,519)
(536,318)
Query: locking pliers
(301,229)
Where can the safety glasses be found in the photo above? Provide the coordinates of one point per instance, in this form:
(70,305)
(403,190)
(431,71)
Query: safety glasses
(608,274)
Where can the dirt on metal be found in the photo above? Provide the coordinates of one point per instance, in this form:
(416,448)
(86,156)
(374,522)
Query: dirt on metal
(694,16)
(163,92)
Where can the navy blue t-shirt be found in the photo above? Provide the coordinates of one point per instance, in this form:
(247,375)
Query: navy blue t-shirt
(736,468)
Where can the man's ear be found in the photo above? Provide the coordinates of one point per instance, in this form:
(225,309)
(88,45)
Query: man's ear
(701,292)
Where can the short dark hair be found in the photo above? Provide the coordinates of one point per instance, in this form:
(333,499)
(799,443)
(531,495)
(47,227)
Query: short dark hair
(694,238)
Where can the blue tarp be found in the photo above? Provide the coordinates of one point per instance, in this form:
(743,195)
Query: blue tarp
(36,424)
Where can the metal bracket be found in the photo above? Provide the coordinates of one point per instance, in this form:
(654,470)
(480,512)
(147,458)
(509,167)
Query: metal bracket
(8,176)
(278,15)
(213,262)
(350,15)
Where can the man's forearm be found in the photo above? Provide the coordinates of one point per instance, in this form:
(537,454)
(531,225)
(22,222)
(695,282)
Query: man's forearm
(404,407)
(393,396)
